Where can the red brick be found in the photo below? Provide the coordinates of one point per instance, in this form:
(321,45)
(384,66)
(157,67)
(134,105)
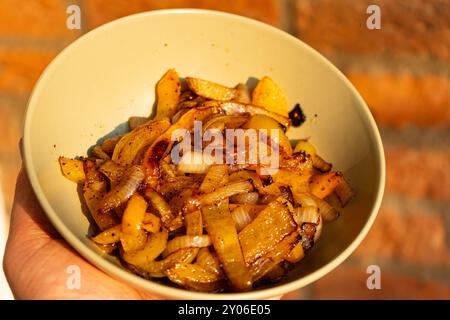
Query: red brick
(398,99)
(419,173)
(37,18)
(21,67)
(408,235)
(11,116)
(408,27)
(350,282)
(102,11)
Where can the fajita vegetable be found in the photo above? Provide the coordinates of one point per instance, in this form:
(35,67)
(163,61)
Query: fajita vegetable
(210,194)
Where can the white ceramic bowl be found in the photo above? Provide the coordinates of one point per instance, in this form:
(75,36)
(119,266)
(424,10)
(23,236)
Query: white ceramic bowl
(110,74)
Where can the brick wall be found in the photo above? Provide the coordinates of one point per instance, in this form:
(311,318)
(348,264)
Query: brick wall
(401,70)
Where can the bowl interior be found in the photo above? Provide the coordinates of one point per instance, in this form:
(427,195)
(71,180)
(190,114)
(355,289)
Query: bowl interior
(110,74)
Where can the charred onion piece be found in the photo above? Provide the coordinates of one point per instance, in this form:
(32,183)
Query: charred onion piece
(94,191)
(182,242)
(132,179)
(297,116)
(164,142)
(234,108)
(160,205)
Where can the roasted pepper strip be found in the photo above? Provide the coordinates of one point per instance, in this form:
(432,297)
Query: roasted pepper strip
(155,245)
(194,277)
(167,95)
(72,169)
(109,236)
(157,269)
(265,231)
(133,236)
(266,263)
(324,184)
(221,229)
(130,145)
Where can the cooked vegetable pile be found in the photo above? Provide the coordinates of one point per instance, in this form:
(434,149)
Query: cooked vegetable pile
(208,226)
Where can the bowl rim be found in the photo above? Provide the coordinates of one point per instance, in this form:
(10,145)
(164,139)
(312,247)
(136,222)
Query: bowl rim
(161,289)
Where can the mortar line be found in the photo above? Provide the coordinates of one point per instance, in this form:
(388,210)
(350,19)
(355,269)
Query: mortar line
(414,64)
(405,203)
(287,14)
(417,137)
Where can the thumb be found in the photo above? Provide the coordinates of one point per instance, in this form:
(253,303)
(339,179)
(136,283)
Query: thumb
(27,217)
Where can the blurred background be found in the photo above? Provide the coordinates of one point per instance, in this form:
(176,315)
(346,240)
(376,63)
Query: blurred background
(402,71)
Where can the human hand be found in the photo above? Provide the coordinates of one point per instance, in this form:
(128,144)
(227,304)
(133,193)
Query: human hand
(36,258)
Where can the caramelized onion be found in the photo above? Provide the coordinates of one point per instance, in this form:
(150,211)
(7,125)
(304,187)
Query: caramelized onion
(182,242)
(160,205)
(223,121)
(326,210)
(241,217)
(195,162)
(309,214)
(245,198)
(344,192)
(225,192)
(133,177)
(234,108)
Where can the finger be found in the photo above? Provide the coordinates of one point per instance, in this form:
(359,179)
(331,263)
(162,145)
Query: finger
(26,208)
(30,251)
(27,216)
